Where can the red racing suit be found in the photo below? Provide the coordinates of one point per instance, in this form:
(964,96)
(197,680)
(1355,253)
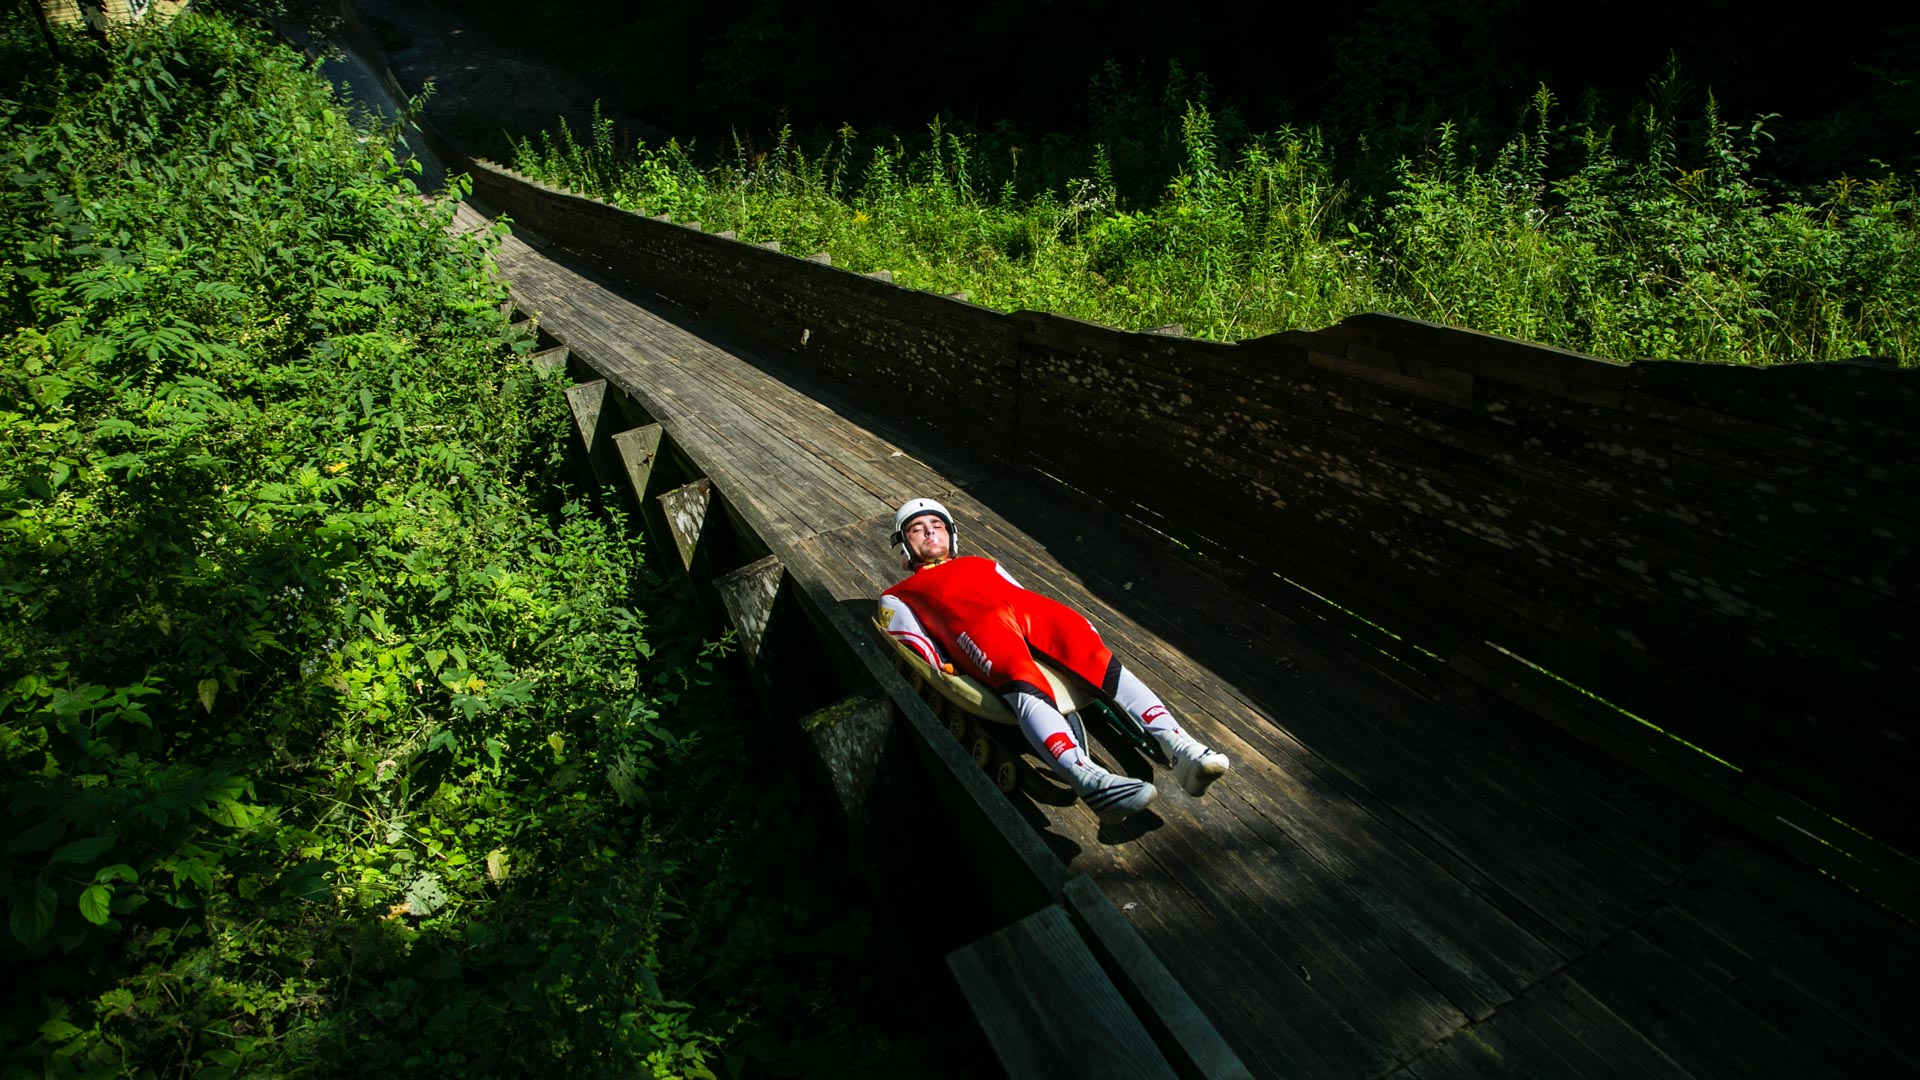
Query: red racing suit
(991,627)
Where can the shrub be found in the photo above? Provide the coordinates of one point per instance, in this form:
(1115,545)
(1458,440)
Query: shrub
(336,735)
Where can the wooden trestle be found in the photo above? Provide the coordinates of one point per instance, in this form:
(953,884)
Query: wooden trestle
(1395,879)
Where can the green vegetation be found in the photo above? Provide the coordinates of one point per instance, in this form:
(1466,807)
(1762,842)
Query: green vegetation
(337,737)
(1673,251)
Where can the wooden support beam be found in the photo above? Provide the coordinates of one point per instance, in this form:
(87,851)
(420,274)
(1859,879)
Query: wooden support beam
(639,452)
(1046,1006)
(596,416)
(686,509)
(850,736)
(554,359)
(747,596)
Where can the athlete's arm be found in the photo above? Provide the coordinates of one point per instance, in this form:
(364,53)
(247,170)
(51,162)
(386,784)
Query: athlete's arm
(902,626)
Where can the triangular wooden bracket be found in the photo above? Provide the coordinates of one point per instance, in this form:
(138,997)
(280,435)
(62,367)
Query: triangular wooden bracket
(850,737)
(639,452)
(554,359)
(596,415)
(686,512)
(748,594)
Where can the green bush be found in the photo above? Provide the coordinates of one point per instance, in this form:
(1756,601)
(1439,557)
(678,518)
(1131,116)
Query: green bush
(336,735)
(1673,251)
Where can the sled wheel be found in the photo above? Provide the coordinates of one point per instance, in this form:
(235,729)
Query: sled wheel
(1006,775)
(982,749)
(958,723)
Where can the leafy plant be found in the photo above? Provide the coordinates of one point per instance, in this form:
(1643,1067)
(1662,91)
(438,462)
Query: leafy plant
(336,734)
(1676,250)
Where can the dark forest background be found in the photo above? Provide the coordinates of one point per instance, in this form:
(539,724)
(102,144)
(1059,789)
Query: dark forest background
(1377,76)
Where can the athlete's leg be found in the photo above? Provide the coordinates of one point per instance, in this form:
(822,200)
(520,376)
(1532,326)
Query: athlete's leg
(1058,631)
(1111,796)
(994,652)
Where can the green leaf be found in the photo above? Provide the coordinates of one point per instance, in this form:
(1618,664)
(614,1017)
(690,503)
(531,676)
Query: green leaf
(116,872)
(58,1030)
(426,895)
(95,902)
(230,813)
(207,689)
(307,880)
(32,915)
(38,837)
(80,851)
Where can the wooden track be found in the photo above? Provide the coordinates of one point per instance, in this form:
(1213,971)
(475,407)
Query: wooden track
(1387,883)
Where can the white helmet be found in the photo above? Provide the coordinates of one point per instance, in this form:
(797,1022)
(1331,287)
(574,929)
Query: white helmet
(914,508)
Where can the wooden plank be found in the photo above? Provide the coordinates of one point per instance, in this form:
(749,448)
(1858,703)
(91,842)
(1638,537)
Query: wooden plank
(1046,1006)
(870,463)
(1566,1015)
(1281,904)
(1814,933)
(1276,1032)
(1835,1038)
(1468,1055)
(816,494)
(1196,1049)
(1706,1032)
(678,399)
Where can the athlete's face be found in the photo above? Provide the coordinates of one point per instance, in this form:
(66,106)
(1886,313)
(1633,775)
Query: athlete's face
(927,537)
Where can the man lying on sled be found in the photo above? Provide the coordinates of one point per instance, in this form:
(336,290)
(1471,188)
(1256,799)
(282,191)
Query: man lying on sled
(971,609)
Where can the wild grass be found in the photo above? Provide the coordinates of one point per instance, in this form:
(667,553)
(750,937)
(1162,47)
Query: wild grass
(1676,248)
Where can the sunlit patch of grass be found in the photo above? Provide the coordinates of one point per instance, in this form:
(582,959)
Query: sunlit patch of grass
(1557,237)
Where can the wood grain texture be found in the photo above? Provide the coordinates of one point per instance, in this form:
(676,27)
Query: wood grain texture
(1048,1008)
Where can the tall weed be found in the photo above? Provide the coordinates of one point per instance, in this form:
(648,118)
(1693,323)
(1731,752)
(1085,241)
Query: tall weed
(1675,250)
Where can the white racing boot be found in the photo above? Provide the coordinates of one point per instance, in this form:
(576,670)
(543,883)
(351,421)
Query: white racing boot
(1195,765)
(1115,798)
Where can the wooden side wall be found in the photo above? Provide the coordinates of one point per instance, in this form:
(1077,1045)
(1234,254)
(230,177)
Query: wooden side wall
(1725,552)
